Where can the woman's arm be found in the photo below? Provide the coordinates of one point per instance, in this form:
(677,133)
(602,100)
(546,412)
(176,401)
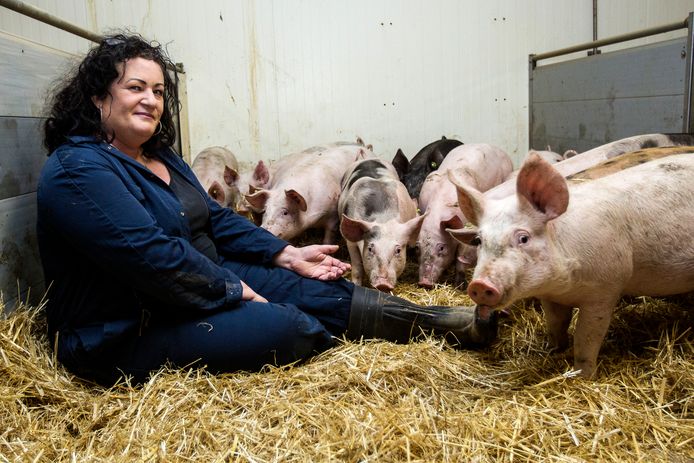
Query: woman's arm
(83,199)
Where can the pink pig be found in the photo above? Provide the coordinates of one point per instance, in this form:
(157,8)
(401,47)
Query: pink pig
(574,163)
(304,190)
(479,165)
(629,233)
(379,221)
(218,171)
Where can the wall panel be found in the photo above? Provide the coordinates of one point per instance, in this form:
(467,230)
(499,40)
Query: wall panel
(269,77)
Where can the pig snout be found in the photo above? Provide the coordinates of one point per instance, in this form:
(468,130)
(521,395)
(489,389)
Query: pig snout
(425,283)
(382,284)
(484,292)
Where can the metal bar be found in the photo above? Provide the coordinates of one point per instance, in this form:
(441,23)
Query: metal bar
(531,68)
(595,25)
(611,40)
(46,17)
(687,120)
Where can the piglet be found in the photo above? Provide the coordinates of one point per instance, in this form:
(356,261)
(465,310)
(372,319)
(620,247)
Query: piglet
(304,190)
(574,162)
(481,166)
(379,221)
(428,159)
(583,245)
(217,170)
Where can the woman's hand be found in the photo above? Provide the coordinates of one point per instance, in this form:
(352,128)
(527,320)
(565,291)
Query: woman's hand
(250,295)
(312,261)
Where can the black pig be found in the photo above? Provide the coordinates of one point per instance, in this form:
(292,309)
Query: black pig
(412,173)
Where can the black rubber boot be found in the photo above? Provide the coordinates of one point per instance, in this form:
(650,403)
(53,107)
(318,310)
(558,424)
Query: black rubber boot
(375,314)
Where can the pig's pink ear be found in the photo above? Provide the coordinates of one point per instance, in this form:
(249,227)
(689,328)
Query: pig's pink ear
(465,235)
(412,228)
(452,222)
(257,200)
(543,187)
(470,201)
(216,192)
(295,198)
(352,229)
(261,174)
(231,176)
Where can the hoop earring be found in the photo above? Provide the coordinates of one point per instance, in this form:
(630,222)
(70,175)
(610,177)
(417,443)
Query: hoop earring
(158,131)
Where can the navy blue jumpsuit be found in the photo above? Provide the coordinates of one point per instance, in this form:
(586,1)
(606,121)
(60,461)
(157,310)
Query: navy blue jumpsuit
(129,292)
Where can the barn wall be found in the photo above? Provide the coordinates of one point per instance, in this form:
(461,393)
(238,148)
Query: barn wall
(26,70)
(269,77)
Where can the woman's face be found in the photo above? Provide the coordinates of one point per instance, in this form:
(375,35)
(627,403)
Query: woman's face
(135,104)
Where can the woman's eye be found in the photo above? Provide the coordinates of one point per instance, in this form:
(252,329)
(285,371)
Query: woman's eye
(159,93)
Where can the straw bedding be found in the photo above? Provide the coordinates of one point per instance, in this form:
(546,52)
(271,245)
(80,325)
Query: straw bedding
(373,401)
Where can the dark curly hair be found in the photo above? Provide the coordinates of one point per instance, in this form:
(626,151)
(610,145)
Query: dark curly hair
(71,110)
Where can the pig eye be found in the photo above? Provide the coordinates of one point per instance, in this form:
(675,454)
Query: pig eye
(522,238)
(476,241)
(398,250)
(285,211)
(434,165)
(417,248)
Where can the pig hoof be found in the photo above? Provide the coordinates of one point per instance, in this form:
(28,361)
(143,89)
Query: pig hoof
(557,348)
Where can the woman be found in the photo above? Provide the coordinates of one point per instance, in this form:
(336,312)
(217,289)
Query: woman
(145,269)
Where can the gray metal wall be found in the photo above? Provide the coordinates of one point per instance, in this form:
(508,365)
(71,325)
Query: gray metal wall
(586,102)
(26,71)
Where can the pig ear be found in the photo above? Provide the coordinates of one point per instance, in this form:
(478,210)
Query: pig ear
(257,200)
(352,229)
(401,163)
(231,176)
(261,174)
(470,201)
(543,187)
(216,192)
(452,222)
(295,198)
(412,228)
(465,235)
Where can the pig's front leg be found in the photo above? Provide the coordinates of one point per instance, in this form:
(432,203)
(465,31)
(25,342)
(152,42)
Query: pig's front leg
(591,328)
(356,262)
(557,320)
(330,231)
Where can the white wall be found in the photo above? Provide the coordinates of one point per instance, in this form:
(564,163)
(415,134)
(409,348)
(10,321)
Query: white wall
(269,77)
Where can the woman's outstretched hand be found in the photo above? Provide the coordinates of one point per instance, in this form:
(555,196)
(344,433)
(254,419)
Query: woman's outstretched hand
(313,261)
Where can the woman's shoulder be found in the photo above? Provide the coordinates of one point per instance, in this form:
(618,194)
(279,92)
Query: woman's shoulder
(79,149)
